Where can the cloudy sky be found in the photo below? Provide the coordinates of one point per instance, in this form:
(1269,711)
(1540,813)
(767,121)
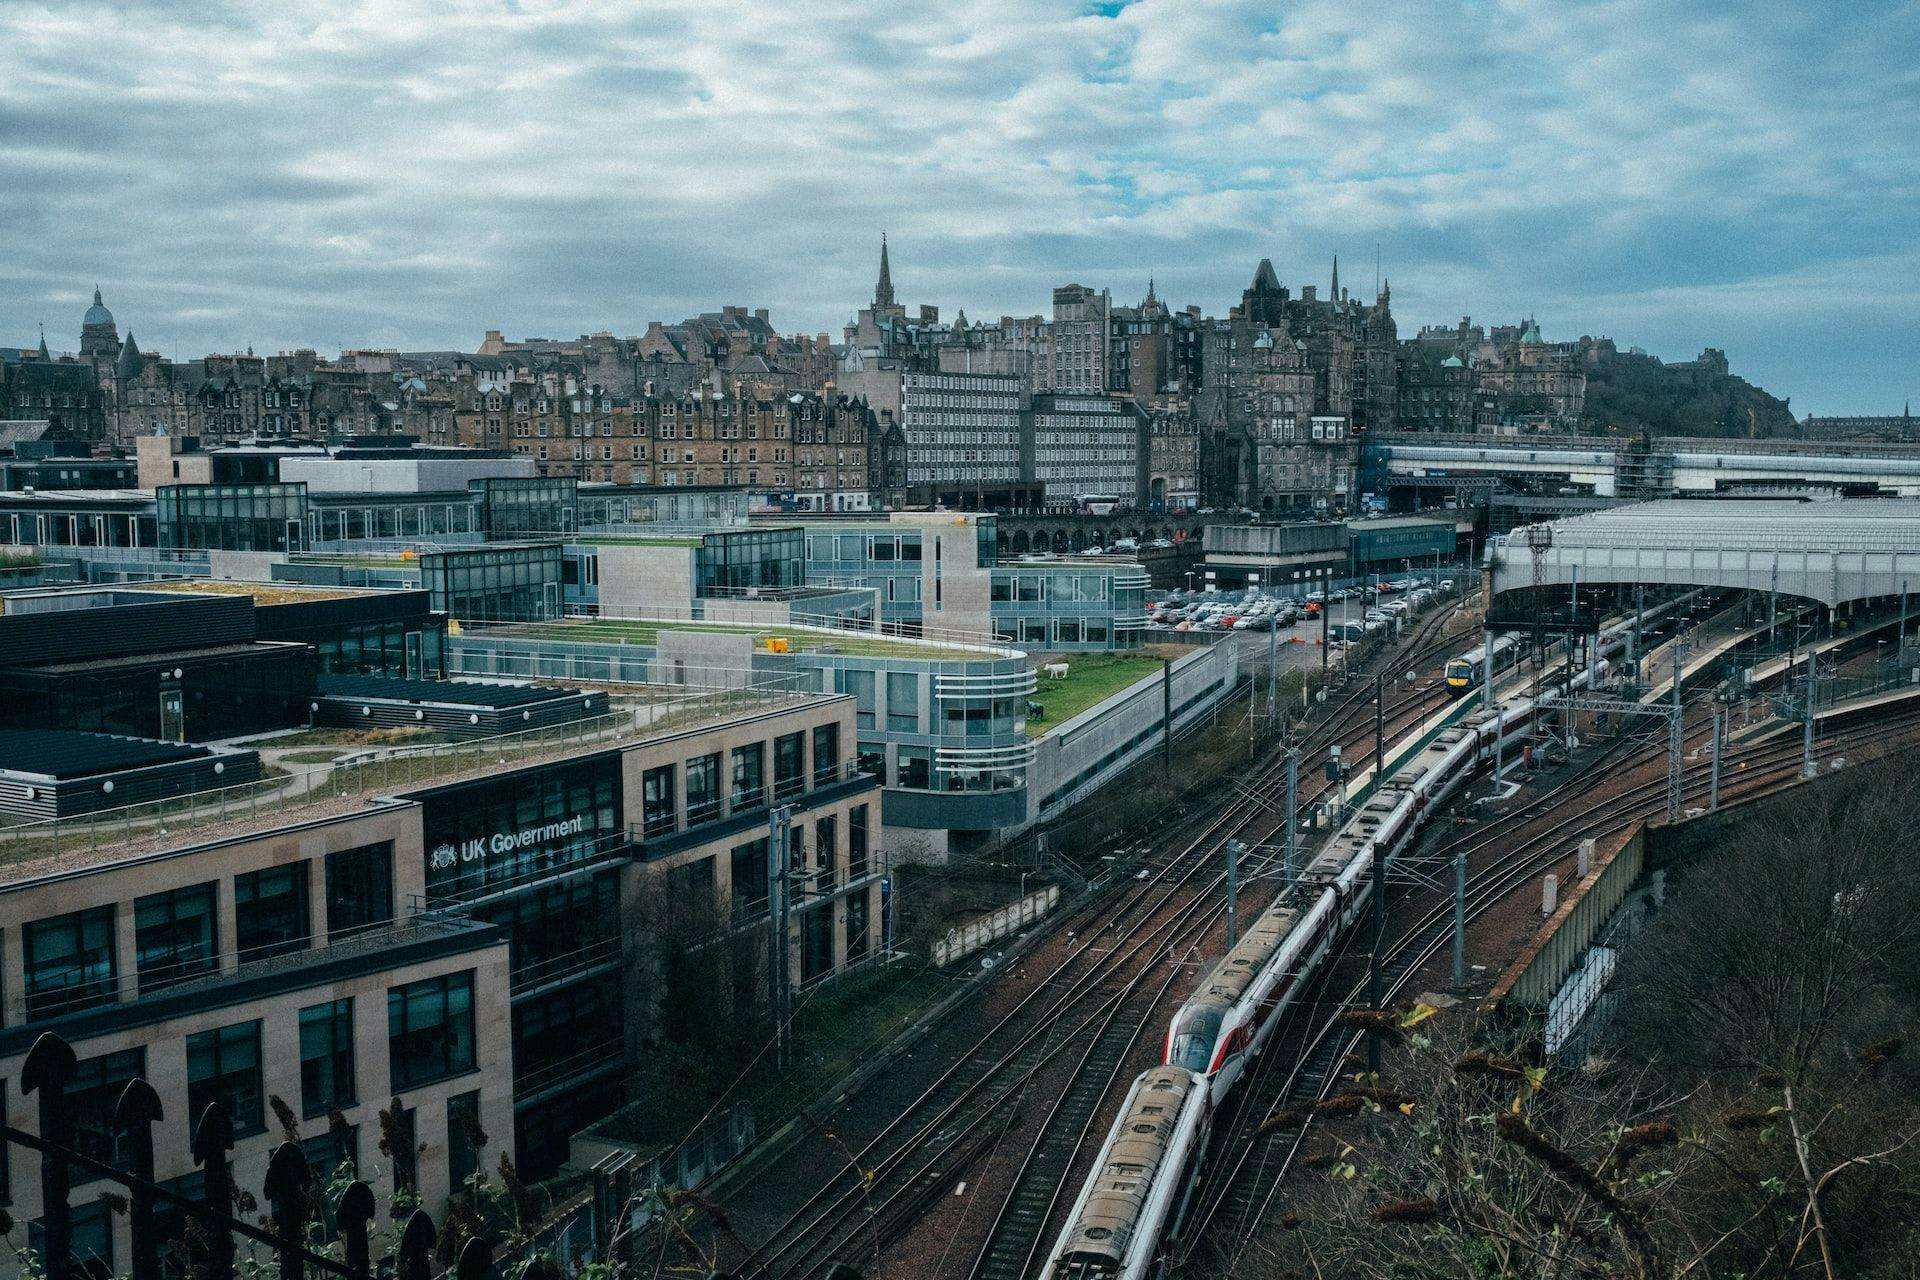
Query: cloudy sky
(413,172)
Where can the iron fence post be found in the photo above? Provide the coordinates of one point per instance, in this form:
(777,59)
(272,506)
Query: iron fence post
(212,1139)
(134,1115)
(48,1068)
(286,1186)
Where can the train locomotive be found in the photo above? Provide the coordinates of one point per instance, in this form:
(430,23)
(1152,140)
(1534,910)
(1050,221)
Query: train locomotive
(1136,1193)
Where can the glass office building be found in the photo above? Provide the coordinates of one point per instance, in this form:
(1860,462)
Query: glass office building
(496,582)
(232,517)
(735,560)
(512,507)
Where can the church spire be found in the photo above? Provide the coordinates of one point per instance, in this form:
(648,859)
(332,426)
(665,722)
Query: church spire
(1333,293)
(44,353)
(883,289)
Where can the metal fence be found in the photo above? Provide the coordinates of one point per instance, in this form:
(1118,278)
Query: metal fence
(179,1235)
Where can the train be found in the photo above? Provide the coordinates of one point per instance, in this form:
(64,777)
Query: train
(1134,1197)
(1464,673)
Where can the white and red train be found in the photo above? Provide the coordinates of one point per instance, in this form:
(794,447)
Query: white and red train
(1136,1193)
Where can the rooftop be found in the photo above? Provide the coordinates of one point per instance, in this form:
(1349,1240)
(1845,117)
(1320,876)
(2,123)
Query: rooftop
(800,639)
(63,754)
(263,593)
(466,693)
(365,780)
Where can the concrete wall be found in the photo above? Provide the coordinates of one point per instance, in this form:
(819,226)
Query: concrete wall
(656,581)
(1068,766)
(399,475)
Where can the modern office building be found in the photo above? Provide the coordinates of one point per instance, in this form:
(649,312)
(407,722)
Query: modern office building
(464,937)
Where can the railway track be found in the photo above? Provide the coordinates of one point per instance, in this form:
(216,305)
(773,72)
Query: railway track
(1252,1163)
(888,1182)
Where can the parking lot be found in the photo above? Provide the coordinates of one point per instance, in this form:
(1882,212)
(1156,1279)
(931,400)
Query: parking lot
(1255,618)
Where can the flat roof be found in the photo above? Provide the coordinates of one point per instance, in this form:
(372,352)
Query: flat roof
(65,753)
(267,593)
(453,693)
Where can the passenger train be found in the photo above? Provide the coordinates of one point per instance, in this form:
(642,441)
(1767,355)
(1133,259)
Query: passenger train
(1136,1194)
(1466,671)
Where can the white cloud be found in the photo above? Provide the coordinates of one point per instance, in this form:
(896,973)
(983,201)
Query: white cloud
(419,170)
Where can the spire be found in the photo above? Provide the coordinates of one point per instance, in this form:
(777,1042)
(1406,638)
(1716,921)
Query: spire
(44,353)
(96,296)
(883,289)
(1150,297)
(1333,292)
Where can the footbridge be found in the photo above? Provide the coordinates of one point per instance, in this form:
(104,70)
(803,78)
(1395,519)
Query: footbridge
(1831,552)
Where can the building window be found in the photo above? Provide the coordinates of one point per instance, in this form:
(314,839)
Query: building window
(660,815)
(93,1093)
(857,842)
(224,1066)
(903,702)
(465,1139)
(70,962)
(789,765)
(326,1058)
(750,876)
(359,888)
(174,936)
(270,916)
(703,789)
(826,853)
(430,1030)
(90,1246)
(826,753)
(749,776)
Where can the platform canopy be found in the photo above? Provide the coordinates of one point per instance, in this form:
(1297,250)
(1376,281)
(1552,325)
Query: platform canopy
(1833,551)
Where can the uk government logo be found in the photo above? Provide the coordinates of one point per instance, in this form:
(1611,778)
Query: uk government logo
(446,855)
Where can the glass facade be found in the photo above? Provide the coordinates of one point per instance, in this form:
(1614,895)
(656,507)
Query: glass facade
(232,517)
(487,836)
(730,562)
(430,1030)
(221,696)
(224,1065)
(494,583)
(512,507)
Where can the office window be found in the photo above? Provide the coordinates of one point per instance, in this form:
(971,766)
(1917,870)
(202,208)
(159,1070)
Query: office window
(359,888)
(465,1138)
(826,853)
(857,842)
(660,813)
(94,1092)
(749,776)
(270,915)
(750,876)
(789,765)
(903,702)
(224,1066)
(703,788)
(70,962)
(174,936)
(326,1057)
(826,753)
(430,1030)
(90,1245)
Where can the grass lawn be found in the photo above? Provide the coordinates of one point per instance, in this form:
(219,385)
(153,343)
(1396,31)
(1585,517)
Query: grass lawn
(616,631)
(636,540)
(1091,678)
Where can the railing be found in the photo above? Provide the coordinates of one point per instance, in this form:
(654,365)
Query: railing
(210,1250)
(372,772)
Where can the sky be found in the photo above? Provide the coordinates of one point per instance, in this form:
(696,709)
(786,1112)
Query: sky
(412,173)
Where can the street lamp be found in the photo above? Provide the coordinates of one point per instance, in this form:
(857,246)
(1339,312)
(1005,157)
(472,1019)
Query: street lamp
(1189,576)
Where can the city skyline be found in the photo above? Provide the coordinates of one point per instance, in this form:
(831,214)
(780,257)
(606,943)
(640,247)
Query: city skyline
(368,176)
